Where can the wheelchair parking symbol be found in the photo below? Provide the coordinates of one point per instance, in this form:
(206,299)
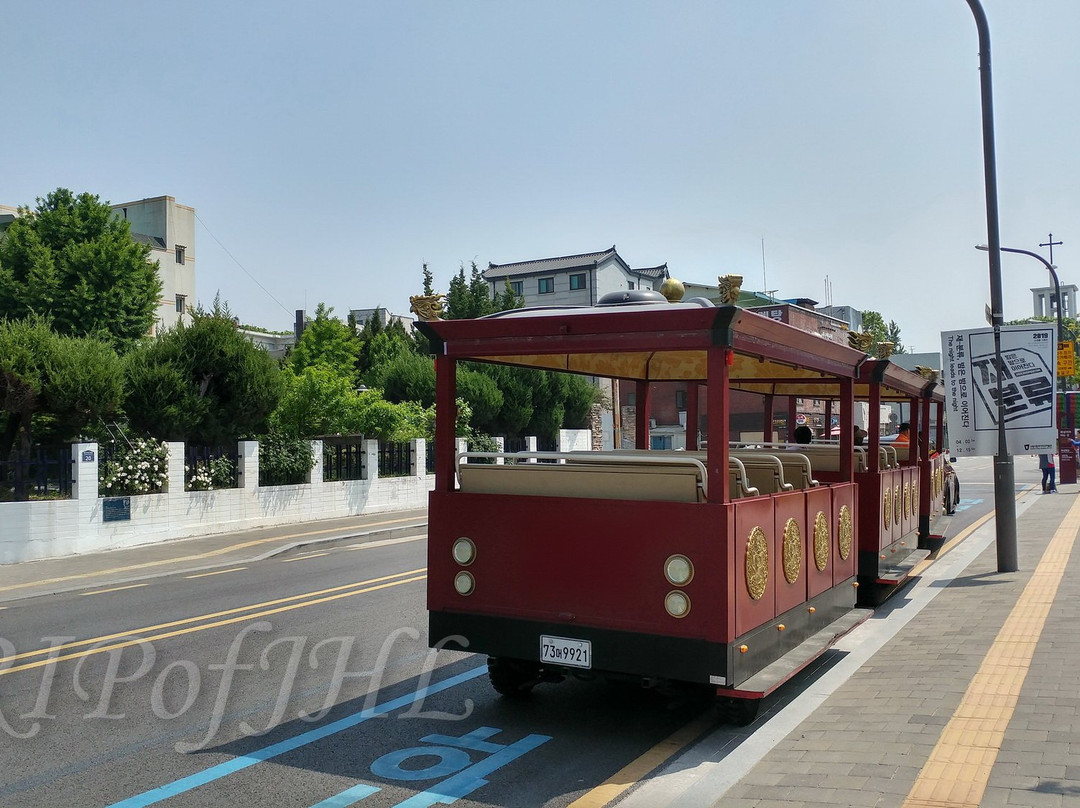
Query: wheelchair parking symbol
(453,766)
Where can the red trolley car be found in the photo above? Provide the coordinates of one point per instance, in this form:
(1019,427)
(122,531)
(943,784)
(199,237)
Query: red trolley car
(727,567)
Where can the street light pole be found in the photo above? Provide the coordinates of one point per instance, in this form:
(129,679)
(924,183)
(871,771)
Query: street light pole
(1004,477)
(1057,291)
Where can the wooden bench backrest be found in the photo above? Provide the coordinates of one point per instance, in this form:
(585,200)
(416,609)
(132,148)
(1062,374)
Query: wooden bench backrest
(609,481)
(637,480)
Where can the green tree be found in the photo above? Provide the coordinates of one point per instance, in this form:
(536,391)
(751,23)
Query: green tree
(327,342)
(468,297)
(316,401)
(874,324)
(204,382)
(406,377)
(72,379)
(71,260)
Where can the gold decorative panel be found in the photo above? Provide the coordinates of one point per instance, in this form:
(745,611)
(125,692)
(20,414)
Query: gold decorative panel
(897,504)
(914,497)
(844,533)
(792,555)
(757,563)
(821,541)
(907,500)
(886,506)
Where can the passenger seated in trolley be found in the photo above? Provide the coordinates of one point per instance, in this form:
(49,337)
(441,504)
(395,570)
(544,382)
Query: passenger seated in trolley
(903,437)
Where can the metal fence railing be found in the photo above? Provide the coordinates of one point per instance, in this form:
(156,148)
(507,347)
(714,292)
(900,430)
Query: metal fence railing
(547,445)
(343,459)
(45,474)
(394,459)
(519,444)
(429,457)
(220,465)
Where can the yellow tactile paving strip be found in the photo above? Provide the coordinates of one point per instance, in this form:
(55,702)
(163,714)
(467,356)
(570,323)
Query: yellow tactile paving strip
(959,767)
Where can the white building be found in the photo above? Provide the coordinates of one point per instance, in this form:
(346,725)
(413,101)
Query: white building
(361,316)
(572,280)
(169,229)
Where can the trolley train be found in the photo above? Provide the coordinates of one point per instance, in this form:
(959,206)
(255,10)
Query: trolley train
(727,565)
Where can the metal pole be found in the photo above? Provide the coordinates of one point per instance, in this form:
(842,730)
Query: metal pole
(1057,291)
(1004,477)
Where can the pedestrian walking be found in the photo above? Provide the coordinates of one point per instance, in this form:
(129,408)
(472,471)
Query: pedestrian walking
(1046,463)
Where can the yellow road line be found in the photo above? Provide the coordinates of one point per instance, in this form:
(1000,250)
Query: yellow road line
(106,591)
(140,640)
(634,771)
(959,766)
(197,557)
(212,615)
(214,572)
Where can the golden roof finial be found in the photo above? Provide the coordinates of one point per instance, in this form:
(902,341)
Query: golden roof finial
(730,286)
(860,341)
(672,289)
(427,307)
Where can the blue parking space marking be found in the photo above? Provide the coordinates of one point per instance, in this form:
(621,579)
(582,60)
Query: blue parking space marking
(349,796)
(289,744)
(450,761)
(451,758)
(964,504)
(472,778)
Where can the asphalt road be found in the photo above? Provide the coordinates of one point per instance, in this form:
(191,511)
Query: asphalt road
(305,680)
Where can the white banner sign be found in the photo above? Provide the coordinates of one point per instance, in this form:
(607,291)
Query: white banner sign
(970,374)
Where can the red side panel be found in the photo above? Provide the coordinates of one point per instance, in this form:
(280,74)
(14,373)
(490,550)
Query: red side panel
(846,509)
(819,501)
(790,560)
(753,520)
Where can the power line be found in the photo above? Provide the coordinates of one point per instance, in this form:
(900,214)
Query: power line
(233,257)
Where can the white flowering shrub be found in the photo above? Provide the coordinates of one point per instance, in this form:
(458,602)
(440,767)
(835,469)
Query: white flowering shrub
(138,467)
(219,472)
(198,479)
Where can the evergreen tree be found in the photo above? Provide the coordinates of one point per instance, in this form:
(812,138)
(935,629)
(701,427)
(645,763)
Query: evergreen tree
(74,380)
(328,342)
(204,382)
(72,261)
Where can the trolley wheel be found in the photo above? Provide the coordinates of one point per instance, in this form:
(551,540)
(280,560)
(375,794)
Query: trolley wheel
(739,712)
(512,677)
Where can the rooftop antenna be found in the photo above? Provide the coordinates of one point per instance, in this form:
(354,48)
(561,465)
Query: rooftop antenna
(764,282)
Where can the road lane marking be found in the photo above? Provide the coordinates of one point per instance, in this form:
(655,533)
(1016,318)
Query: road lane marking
(194,629)
(107,591)
(385,542)
(304,557)
(636,770)
(214,572)
(349,796)
(199,556)
(212,615)
(289,744)
(959,766)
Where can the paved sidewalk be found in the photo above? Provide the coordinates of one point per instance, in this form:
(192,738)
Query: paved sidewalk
(974,702)
(33,578)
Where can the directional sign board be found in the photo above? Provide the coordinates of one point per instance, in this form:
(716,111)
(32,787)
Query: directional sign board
(970,370)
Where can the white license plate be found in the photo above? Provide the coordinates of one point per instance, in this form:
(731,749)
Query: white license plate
(563,651)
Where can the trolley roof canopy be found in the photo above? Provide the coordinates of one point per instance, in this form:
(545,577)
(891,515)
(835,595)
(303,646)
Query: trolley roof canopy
(656,342)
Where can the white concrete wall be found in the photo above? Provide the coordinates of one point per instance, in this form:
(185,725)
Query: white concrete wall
(57,528)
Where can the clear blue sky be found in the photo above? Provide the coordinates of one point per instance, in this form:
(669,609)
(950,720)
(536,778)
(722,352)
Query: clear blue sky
(334,147)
